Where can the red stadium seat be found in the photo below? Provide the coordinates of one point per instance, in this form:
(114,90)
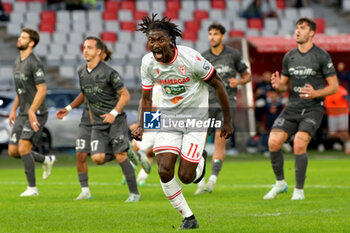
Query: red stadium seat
(109,15)
(48,17)
(42,1)
(200,14)
(109,37)
(255,23)
(236,33)
(112,6)
(173,5)
(192,26)
(320,25)
(189,35)
(23,1)
(281,4)
(47,27)
(139,14)
(128,26)
(171,14)
(218,4)
(7,7)
(127,5)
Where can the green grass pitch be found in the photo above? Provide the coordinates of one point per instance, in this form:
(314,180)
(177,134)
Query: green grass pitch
(236,205)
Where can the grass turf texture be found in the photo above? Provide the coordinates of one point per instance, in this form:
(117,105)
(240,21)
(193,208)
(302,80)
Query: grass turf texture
(236,205)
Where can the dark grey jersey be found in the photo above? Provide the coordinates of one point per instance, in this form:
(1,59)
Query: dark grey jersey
(85,117)
(28,73)
(311,68)
(226,64)
(100,87)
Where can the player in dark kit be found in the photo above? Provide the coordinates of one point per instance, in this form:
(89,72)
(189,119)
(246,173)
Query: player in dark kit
(83,141)
(30,98)
(166,64)
(309,73)
(105,92)
(227,62)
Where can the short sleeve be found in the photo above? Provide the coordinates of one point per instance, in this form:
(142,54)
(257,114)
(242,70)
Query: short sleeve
(38,73)
(147,81)
(285,66)
(327,66)
(203,68)
(116,81)
(240,65)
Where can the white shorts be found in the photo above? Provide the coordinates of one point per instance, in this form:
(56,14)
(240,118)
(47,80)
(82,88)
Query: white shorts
(190,144)
(147,141)
(338,123)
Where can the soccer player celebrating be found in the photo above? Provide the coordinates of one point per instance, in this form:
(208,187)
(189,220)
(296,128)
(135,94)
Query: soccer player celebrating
(30,98)
(309,73)
(183,74)
(227,62)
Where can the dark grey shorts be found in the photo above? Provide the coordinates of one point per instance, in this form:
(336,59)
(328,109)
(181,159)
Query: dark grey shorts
(82,143)
(216,113)
(23,130)
(295,120)
(112,139)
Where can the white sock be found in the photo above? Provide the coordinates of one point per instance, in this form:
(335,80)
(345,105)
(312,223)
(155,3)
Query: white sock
(173,191)
(213,178)
(142,175)
(85,189)
(200,167)
(280,182)
(201,183)
(47,159)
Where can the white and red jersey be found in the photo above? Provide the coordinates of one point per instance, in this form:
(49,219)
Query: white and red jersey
(182,79)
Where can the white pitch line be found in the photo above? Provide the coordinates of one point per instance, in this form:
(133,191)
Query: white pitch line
(235,186)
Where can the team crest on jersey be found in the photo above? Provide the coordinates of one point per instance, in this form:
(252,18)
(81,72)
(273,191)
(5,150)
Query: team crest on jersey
(182,69)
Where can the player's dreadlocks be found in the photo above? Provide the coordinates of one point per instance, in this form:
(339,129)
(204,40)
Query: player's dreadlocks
(149,24)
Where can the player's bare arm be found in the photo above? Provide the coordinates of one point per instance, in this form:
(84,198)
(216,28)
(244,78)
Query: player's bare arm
(279,83)
(227,129)
(308,92)
(145,105)
(124,98)
(75,103)
(245,78)
(12,117)
(37,101)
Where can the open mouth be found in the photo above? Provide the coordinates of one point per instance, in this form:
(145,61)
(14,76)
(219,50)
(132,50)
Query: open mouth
(158,55)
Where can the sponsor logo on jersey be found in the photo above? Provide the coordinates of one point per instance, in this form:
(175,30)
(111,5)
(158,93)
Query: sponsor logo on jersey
(301,72)
(176,99)
(174,90)
(183,70)
(152,120)
(223,69)
(21,77)
(174,81)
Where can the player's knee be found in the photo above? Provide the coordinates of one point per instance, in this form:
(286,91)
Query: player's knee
(186,178)
(299,147)
(274,144)
(98,159)
(165,173)
(13,152)
(81,157)
(23,150)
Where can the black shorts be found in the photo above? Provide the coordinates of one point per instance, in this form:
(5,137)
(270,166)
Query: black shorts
(23,130)
(82,143)
(112,139)
(215,111)
(295,120)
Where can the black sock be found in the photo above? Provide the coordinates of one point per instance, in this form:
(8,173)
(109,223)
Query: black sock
(130,177)
(216,167)
(38,157)
(109,157)
(29,169)
(300,170)
(276,158)
(83,179)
